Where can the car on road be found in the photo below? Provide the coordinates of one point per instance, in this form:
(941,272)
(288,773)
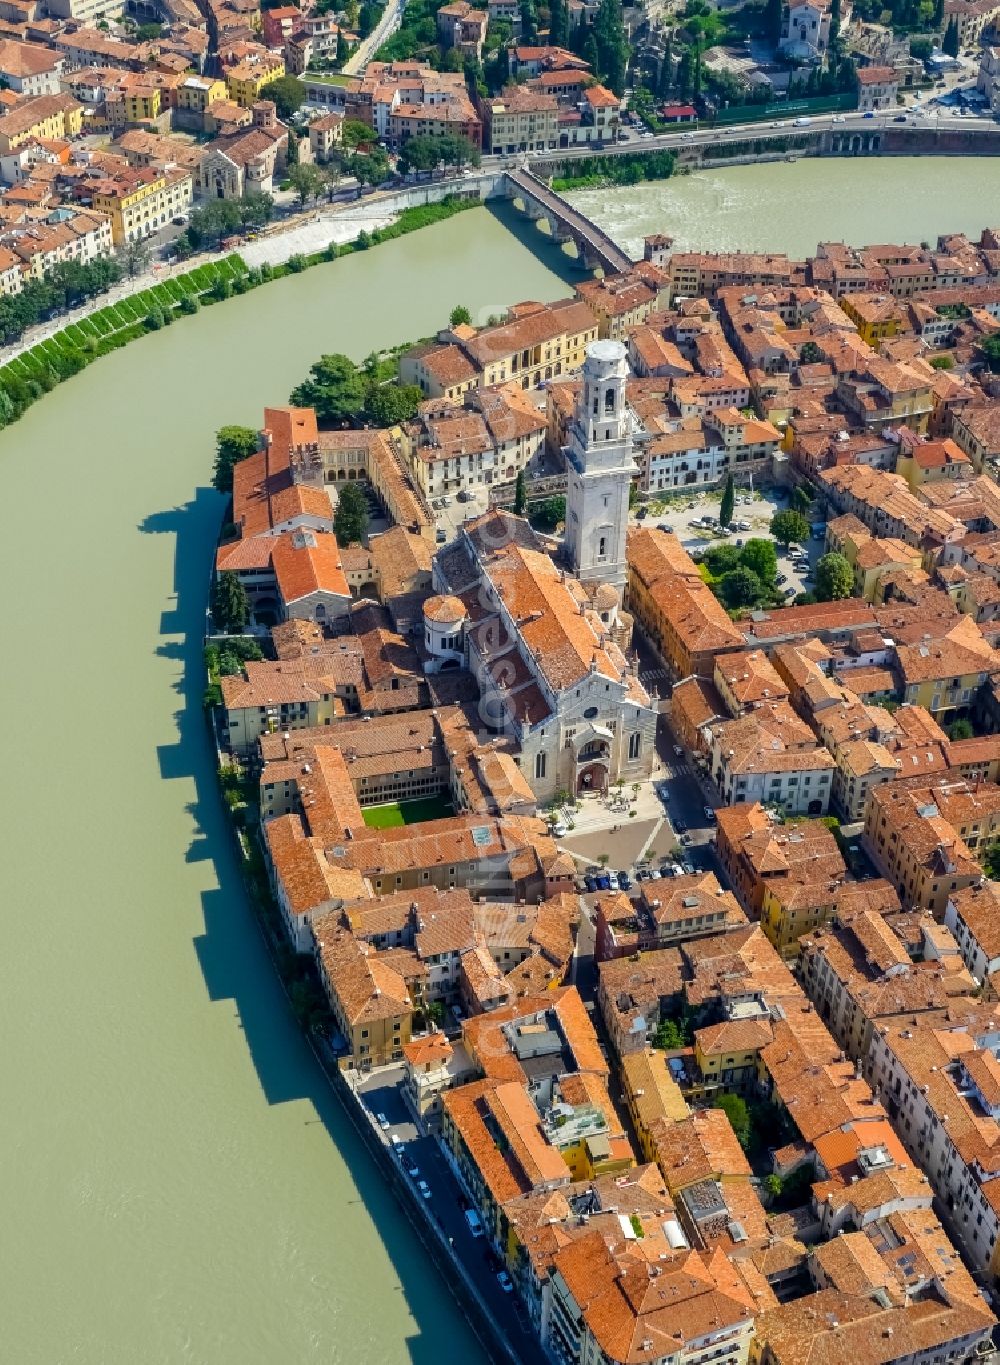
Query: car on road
(425,1189)
(604,882)
(590,883)
(410,1167)
(801,122)
(505,1282)
(655,874)
(869,114)
(559,829)
(397,1142)
(382,1122)
(678,751)
(613,883)
(838,118)
(475,1223)
(440,536)
(679,826)
(709,814)
(900,118)
(689,137)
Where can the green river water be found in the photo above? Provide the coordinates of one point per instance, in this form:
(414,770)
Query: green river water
(177,1182)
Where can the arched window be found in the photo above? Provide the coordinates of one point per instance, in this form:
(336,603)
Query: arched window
(590,713)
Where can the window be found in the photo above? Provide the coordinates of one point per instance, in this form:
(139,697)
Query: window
(539,766)
(602,547)
(634,744)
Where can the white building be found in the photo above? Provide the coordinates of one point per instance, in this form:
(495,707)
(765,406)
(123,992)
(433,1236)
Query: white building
(805,29)
(600,469)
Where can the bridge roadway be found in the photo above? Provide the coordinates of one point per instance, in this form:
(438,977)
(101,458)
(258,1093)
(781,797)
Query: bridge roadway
(593,245)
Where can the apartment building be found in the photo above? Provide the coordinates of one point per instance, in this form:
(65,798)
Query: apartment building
(685,622)
(923,836)
(42,118)
(973,916)
(679,909)
(520,120)
(141,201)
(771,756)
(488,442)
(247,80)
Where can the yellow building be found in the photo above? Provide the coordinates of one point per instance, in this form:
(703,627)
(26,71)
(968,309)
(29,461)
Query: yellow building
(369,998)
(142,104)
(246,80)
(140,202)
(876,316)
(651,1093)
(728,1053)
(923,460)
(196,93)
(789,912)
(47,117)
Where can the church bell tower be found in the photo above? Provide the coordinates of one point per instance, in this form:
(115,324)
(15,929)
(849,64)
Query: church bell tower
(600,468)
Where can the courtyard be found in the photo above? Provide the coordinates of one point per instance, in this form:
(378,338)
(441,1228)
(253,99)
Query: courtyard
(395,813)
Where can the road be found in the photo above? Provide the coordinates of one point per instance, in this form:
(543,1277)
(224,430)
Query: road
(381,1094)
(931,120)
(391,18)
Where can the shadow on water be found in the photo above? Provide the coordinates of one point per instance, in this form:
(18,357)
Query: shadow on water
(231,954)
(569,268)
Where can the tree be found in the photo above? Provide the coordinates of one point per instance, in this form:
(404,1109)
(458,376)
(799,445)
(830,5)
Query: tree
(736,1111)
(949,43)
(669,1036)
(343,51)
(991,862)
(232,444)
(762,558)
(528,21)
(520,495)
(558,23)
(938,18)
(134,257)
(255,208)
(960,729)
(719,559)
(548,514)
(728,504)
(834,578)
(810,354)
(307,180)
(684,77)
(801,499)
(991,350)
(772,20)
(665,80)
(230,604)
(789,527)
(460,316)
(287,93)
(589,53)
(351,516)
(335,388)
(740,587)
(387,405)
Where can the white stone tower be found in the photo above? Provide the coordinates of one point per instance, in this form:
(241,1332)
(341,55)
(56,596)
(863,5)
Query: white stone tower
(600,469)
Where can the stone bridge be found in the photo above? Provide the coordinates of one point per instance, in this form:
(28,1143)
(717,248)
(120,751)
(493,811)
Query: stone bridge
(541,204)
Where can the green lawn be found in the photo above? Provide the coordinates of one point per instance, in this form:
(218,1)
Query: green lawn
(407,812)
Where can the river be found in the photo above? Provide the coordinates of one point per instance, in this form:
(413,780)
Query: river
(178,1184)
(777,206)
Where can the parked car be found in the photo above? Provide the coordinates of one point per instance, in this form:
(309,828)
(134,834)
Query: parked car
(382,1122)
(642,874)
(463,495)
(679,826)
(613,883)
(424,1189)
(642,514)
(505,1282)
(870,114)
(475,1223)
(655,874)
(687,867)
(624,880)
(590,883)
(411,1167)
(440,536)
(397,1142)
(604,882)
(789,592)
(710,814)
(559,829)
(678,751)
